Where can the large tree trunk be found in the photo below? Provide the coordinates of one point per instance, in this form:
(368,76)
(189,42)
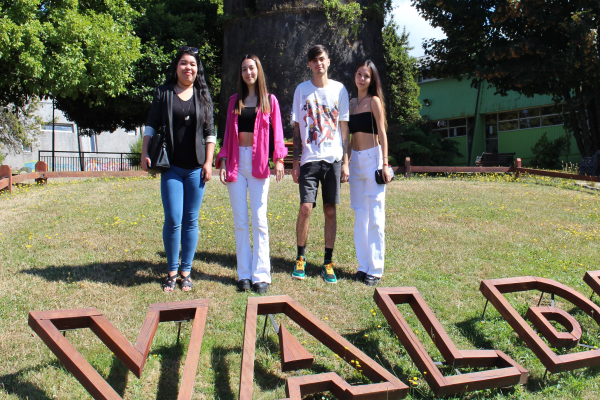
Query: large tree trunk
(574,124)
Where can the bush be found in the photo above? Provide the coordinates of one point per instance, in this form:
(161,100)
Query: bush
(547,152)
(422,146)
(136,147)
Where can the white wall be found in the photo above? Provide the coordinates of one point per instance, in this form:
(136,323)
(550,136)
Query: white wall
(117,141)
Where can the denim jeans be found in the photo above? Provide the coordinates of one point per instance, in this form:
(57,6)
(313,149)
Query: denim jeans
(367,198)
(182,191)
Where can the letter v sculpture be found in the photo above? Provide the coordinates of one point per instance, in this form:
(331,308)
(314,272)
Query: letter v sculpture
(48,324)
(386,386)
(507,372)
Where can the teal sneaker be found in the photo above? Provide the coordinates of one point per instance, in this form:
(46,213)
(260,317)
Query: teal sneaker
(300,270)
(328,274)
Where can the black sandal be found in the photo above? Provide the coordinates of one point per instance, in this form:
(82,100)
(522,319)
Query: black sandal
(169,283)
(186,282)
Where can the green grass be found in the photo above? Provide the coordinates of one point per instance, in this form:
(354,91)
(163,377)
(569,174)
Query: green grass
(98,244)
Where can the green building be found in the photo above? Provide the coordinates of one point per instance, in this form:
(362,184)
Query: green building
(496,124)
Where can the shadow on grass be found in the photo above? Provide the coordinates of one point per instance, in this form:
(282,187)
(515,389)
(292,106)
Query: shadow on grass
(131,273)
(168,382)
(14,384)
(222,372)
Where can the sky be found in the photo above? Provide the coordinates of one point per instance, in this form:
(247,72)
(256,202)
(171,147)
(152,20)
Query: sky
(419,29)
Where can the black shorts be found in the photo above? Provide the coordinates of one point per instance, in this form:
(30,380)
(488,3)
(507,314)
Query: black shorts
(328,174)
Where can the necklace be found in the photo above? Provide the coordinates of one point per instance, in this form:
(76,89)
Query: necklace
(188,121)
(359,101)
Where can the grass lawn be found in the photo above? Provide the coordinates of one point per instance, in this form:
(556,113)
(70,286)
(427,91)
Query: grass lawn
(98,244)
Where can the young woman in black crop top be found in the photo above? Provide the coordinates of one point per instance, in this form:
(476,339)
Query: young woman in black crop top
(244,164)
(369,153)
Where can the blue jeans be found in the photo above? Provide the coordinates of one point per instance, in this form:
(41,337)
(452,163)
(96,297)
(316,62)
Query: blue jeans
(182,191)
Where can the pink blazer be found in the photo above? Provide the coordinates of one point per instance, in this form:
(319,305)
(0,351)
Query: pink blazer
(260,147)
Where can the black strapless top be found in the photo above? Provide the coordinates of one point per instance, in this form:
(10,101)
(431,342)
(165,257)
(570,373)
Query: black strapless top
(246,119)
(363,122)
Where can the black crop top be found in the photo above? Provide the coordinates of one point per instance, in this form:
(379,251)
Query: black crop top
(363,122)
(247,119)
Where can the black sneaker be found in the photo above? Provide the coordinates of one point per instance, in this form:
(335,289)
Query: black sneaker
(360,276)
(371,280)
(260,287)
(244,284)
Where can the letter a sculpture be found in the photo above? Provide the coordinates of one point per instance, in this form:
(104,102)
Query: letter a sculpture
(387,386)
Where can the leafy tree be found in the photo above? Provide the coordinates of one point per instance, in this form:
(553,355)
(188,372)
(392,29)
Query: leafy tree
(423,146)
(162,27)
(547,152)
(19,126)
(65,48)
(534,47)
(402,90)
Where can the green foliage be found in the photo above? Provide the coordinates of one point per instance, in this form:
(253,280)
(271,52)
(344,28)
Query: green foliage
(2,156)
(547,152)
(20,126)
(403,103)
(136,147)
(65,48)
(423,146)
(344,17)
(533,47)
(102,60)
(217,150)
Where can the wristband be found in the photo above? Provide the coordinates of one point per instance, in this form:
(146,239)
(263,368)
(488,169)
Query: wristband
(386,165)
(280,160)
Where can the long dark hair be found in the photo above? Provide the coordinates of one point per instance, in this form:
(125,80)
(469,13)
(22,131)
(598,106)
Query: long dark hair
(374,88)
(206,104)
(261,87)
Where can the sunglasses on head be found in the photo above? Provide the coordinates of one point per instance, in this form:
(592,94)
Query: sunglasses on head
(192,50)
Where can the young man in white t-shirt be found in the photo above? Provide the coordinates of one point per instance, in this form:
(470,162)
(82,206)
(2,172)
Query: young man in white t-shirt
(320,114)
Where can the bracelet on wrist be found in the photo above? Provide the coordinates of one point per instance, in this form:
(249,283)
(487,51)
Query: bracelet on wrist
(386,165)
(280,160)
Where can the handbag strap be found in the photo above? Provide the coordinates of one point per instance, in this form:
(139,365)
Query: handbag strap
(373,129)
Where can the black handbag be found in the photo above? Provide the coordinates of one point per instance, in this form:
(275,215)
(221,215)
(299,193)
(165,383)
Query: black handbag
(158,154)
(379,172)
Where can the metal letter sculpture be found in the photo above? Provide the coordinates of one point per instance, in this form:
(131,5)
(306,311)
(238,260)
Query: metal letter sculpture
(388,386)
(48,324)
(592,278)
(508,372)
(539,316)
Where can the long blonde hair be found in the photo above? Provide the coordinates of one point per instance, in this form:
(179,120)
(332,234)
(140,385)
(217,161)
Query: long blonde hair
(261,87)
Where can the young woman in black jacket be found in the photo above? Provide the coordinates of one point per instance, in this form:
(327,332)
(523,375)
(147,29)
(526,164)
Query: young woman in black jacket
(183,109)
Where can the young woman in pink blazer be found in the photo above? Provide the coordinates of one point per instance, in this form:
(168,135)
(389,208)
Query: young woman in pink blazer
(244,164)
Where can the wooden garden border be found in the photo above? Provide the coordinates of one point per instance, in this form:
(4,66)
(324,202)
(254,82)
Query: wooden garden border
(41,173)
(48,324)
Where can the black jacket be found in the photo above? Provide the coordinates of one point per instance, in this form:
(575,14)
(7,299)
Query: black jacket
(161,117)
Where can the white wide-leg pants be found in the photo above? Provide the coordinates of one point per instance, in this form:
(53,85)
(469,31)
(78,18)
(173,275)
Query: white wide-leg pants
(367,199)
(254,265)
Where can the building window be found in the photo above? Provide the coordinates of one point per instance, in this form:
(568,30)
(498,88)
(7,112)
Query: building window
(58,127)
(27,148)
(450,127)
(527,118)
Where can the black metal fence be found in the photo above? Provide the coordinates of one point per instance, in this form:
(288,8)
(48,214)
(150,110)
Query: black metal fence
(86,161)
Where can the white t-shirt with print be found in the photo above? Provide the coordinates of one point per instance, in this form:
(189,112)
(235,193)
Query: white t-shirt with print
(319,111)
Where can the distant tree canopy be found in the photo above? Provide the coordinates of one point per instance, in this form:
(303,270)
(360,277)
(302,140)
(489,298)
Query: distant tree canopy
(533,47)
(101,59)
(162,26)
(402,90)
